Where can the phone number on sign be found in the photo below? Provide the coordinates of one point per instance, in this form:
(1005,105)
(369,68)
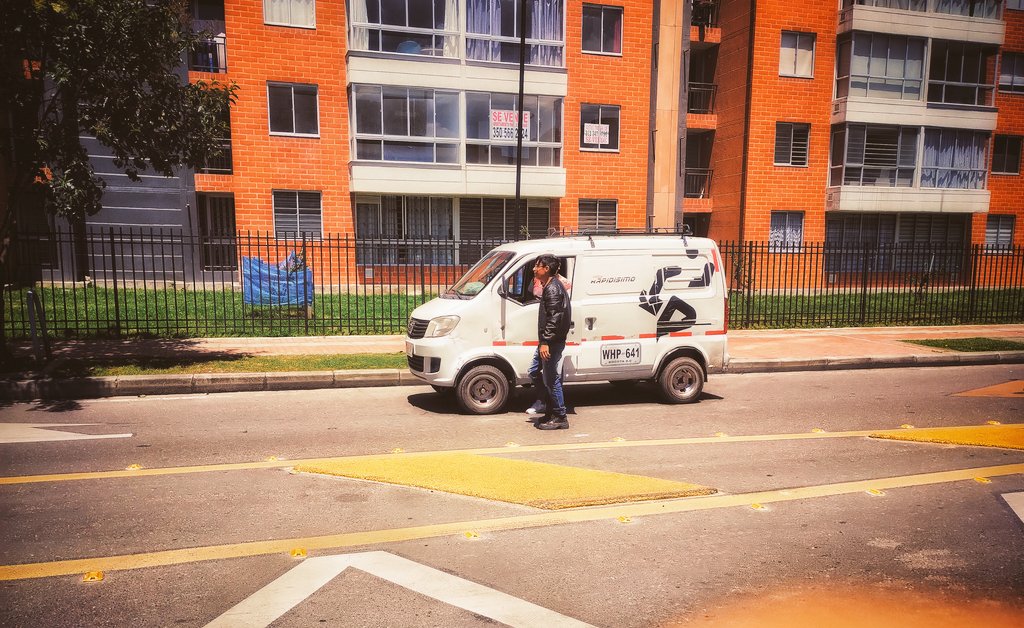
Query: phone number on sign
(507,133)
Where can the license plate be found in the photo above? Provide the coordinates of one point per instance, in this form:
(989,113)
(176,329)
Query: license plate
(408,349)
(615,355)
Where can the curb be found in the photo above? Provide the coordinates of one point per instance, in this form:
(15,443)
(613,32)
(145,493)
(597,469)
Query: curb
(141,385)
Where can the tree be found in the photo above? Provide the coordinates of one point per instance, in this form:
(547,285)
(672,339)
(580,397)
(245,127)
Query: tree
(111,69)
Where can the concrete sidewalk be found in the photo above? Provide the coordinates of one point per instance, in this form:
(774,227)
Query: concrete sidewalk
(751,351)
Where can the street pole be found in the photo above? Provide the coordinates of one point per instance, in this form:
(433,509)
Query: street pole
(519,121)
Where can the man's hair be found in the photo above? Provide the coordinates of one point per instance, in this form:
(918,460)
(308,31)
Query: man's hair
(550,262)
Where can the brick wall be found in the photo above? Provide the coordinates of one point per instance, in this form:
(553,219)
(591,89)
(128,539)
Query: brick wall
(607,80)
(1007,190)
(777,98)
(258,53)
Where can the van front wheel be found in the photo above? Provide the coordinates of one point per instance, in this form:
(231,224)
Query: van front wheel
(682,381)
(483,390)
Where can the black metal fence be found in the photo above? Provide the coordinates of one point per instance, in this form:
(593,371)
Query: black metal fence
(171,284)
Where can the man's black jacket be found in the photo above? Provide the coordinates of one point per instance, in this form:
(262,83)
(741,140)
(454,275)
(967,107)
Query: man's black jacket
(554,314)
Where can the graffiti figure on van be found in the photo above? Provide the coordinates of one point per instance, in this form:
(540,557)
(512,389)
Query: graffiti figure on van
(667,311)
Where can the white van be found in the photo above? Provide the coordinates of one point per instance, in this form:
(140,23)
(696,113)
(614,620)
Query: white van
(644,307)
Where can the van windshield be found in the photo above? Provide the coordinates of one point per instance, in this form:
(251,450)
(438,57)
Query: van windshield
(481,274)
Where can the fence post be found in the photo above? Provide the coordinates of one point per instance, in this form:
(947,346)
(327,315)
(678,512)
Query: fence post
(972,292)
(113,272)
(864,284)
(748,274)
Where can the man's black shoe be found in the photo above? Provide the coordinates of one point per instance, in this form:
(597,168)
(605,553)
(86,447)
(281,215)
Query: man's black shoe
(554,423)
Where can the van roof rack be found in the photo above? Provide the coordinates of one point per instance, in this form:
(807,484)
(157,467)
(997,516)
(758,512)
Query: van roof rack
(565,232)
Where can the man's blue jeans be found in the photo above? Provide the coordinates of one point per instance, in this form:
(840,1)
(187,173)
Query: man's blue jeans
(548,380)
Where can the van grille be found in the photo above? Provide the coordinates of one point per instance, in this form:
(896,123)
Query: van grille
(417,328)
(416,363)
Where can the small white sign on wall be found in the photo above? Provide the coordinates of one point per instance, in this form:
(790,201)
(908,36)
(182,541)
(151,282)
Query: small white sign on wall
(503,124)
(596,133)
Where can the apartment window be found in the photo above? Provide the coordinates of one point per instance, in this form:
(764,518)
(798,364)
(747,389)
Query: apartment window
(959,73)
(491,129)
(1011,72)
(293,109)
(493,31)
(425,220)
(786,232)
(791,140)
(796,56)
(1017,5)
(220,162)
(406,124)
(954,158)
(999,233)
(598,215)
(602,29)
(989,9)
(908,242)
(414,27)
(599,127)
(301,13)
(884,156)
(1006,154)
(297,214)
(880,66)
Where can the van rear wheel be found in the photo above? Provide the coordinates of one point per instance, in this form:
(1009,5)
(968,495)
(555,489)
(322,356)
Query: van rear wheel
(482,390)
(682,381)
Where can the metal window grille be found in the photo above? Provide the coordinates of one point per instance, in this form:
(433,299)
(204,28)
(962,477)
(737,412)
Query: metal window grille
(297,214)
(786,232)
(999,233)
(884,156)
(598,215)
(791,143)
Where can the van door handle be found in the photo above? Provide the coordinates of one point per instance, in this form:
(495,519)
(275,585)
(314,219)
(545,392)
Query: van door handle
(590,320)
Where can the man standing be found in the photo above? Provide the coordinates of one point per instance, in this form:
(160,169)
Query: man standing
(553,318)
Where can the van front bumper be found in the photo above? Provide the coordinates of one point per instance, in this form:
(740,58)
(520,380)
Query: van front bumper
(433,359)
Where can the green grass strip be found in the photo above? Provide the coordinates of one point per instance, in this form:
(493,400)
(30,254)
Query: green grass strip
(243,364)
(971,344)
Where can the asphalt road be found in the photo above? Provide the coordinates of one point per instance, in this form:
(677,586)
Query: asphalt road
(933,541)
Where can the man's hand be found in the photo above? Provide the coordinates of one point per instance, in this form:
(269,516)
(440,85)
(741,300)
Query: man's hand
(545,353)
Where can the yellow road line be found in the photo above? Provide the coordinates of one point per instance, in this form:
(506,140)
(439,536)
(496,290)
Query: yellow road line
(377,537)
(280,464)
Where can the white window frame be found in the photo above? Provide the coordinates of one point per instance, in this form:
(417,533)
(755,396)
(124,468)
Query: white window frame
(1003,242)
(490,38)
(783,245)
(605,9)
(800,35)
(451,140)
(444,42)
(602,207)
(791,129)
(1016,84)
(877,67)
(528,142)
(1007,139)
(288,23)
(600,117)
(282,234)
(292,86)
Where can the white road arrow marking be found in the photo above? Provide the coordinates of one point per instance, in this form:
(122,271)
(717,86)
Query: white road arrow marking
(277,598)
(36,433)
(1016,502)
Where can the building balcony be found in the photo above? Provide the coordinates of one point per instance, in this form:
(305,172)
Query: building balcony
(697,183)
(913,113)
(700,97)
(975,21)
(852,198)
(209,56)
(222,163)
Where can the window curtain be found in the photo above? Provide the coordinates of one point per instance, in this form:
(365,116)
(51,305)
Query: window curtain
(360,35)
(546,23)
(483,17)
(303,12)
(451,24)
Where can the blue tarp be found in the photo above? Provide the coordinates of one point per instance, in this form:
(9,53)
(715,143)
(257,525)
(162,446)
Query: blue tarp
(287,283)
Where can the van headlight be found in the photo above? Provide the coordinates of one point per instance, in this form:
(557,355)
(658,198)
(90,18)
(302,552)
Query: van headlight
(441,326)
